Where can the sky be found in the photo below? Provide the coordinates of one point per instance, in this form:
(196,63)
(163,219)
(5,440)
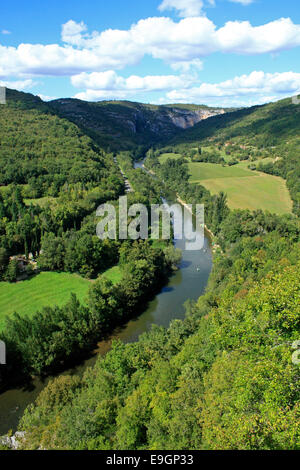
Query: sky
(213,52)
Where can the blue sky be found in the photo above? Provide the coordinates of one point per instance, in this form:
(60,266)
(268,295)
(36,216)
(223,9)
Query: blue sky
(217,52)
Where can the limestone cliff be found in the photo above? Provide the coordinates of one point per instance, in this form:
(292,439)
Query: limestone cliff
(124,123)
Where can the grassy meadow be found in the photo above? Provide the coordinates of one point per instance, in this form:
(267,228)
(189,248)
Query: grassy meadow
(45,289)
(114,274)
(204,171)
(245,189)
(164,156)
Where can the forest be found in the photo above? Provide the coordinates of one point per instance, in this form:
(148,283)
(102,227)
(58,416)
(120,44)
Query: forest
(221,378)
(58,230)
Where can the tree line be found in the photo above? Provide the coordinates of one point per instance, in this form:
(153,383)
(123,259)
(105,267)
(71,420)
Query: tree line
(52,337)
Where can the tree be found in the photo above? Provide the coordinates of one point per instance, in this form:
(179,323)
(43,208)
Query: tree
(11,273)
(104,304)
(52,253)
(173,256)
(4,260)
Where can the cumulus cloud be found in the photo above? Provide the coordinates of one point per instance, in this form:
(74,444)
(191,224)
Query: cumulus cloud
(72,32)
(188,8)
(257,85)
(184,7)
(242,38)
(186,66)
(182,44)
(20,85)
(109,84)
(54,60)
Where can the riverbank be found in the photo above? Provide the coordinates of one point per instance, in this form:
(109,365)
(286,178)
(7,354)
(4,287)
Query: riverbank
(215,246)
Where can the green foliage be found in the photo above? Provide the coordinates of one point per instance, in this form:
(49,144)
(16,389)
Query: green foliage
(11,273)
(223,377)
(125,125)
(46,158)
(4,260)
(175,175)
(53,336)
(220,380)
(44,151)
(173,256)
(77,252)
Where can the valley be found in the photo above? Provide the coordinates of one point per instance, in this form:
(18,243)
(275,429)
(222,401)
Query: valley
(135,338)
(121,125)
(245,188)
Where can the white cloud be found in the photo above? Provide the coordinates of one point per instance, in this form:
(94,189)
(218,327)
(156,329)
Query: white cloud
(181,44)
(47,98)
(5,31)
(241,37)
(20,85)
(108,84)
(257,87)
(189,8)
(195,64)
(243,2)
(186,8)
(72,32)
(54,60)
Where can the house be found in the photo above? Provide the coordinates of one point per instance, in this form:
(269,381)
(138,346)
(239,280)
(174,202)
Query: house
(22,263)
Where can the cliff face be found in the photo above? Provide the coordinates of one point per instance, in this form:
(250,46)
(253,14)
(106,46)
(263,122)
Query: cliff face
(123,124)
(185,118)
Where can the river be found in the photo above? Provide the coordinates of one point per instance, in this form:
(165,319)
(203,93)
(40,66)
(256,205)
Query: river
(188,282)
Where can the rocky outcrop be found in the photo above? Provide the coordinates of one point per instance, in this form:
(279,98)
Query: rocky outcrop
(185,118)
(12,442)
(138,123)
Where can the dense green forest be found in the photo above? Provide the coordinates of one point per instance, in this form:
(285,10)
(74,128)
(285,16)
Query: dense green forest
(54,178)
(222,378)
(46,153)
(126,125)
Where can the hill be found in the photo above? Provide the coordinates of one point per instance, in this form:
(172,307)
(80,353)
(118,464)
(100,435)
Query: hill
(221,379)
(267,136)
(262,126)
(43,151)
(118,125)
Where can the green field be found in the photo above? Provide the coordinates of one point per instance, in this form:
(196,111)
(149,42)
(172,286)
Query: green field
(27,297)
(245,189)
(113,274)
(165,156)
(205,171)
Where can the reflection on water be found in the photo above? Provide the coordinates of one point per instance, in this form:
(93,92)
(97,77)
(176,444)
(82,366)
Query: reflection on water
(188,282)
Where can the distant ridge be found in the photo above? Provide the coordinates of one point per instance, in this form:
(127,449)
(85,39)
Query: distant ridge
(126,124)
